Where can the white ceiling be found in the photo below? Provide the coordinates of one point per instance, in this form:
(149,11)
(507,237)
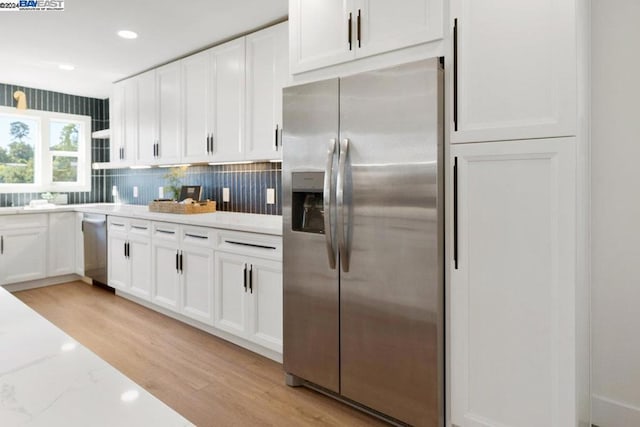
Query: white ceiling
(84,34)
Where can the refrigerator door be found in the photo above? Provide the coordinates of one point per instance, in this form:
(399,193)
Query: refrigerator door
(391,283)
(311,292)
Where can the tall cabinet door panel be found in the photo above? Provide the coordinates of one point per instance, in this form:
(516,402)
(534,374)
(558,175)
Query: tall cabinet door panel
(197,283)
(513,293)
(229,88)
(516,69)
(231,293)
(266,74)
(266,288)
(62,243)
(169,113)
(118,263)
(165,274)
(147,112)
(198,96)
(319,33)
(385,26)
(140,265)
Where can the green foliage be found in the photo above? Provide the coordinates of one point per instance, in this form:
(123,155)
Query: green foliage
(16,165)
(174,180)
(68,139)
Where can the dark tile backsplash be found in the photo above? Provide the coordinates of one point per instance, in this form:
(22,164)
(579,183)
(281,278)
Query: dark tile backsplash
(247,183)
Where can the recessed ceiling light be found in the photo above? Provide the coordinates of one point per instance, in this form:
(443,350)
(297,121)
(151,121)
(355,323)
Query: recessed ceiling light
(66,67)
(126,34)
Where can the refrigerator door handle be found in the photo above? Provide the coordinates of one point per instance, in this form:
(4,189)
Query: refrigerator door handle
(326,202)
(342,233)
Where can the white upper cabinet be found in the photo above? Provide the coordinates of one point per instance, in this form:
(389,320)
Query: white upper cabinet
(267,73)
(320,33)
(386,25)
(124,122)
(169,141)
(147,112)
(335,31)
(229,89)
(197,77)
(514,75)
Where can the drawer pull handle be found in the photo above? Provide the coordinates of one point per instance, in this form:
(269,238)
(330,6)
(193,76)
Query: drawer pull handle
(117,224)
(139,227)
(159,230)
(196,236)
(253,245)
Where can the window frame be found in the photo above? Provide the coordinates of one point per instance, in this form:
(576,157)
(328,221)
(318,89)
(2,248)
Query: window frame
(43,155)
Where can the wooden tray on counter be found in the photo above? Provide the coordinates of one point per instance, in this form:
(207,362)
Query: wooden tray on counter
(173,207)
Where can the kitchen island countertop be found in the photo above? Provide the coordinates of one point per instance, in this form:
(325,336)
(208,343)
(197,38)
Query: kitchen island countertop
(48,379)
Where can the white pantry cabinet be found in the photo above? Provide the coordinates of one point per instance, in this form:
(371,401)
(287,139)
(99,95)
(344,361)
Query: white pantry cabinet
(335,31)
(123,112)
(514,69)
(183,264)
(129,256)
(23,248)
(267,70)
(249,288)
(61,257)
(513,290)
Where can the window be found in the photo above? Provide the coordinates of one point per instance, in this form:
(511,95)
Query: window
(44,151)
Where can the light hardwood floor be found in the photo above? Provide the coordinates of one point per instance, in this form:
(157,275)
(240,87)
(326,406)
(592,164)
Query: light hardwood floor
(209,381)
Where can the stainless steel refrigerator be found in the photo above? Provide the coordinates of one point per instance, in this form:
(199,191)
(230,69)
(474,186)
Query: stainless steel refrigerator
(363,240)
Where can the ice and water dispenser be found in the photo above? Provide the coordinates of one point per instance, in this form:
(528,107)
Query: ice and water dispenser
(307,202)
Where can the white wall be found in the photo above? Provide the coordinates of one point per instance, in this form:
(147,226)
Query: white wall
(616,213)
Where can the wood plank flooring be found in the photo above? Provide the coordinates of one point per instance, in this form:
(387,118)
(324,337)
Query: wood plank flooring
(209,381)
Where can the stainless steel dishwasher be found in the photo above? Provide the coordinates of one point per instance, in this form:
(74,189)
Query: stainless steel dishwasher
(94,229)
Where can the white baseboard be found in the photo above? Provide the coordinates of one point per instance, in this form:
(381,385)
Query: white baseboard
(49,281)
(610,413)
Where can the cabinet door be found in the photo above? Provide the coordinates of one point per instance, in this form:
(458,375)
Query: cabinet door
(385,26)
(23,255)
(124,122)
(169,113)
(231,293)
(79,244)
(228,128)
(147,112)
(165,275)
(266,75)
(116,122)
(198,97)
(118,263)
(512,305)
(140,266)
(62,243)
(265,280)
(319,33)
(197,283)
(516,69)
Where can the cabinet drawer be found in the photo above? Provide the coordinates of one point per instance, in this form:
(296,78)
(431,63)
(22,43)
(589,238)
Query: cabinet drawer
(165,231)
(140,227)
(198,236)
(23,221)
(117,223)
(254,244)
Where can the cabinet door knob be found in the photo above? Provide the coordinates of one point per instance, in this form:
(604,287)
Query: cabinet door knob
(245,277)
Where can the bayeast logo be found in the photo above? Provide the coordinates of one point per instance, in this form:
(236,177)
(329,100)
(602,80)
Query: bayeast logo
(20,5)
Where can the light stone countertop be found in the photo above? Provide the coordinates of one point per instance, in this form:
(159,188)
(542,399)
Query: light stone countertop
(255,223)
(48,379)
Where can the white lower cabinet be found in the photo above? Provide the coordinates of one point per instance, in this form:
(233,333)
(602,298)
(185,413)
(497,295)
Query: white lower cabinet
(129,253)
(514,334)
(23,248)
(249,298)
(183,270)
(61,257)
(79,236)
